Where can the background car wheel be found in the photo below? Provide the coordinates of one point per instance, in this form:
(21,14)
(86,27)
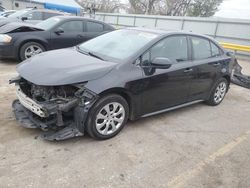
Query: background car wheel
(30,49)
(107,117)
(218,93)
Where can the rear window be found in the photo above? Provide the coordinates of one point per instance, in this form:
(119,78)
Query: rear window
(204,48)
(94,27)
(34,16)
(72,26)
(215,50)
(47,15)
(201,48)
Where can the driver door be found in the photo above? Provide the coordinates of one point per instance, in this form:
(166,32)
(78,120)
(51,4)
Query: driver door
(167,87)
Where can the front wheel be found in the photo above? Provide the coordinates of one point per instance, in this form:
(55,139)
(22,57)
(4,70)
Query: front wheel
(107,117)
(218,92)
(30,49)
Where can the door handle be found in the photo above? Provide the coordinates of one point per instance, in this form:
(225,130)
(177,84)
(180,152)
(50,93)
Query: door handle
(188,70)
(80,36)
(216,64)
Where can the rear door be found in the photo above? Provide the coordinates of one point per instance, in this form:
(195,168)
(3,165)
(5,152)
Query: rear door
(70,32)
(92,30)
(208,62)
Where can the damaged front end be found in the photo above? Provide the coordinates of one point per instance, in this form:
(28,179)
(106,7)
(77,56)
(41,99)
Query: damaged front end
(60,111)
(238,78)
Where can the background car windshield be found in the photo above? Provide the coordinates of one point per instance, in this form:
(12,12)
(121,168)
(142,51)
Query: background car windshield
(119,44)
(18,14)
(49,23)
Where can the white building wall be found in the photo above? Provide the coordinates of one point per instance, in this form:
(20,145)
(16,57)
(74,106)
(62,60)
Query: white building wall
(17,5)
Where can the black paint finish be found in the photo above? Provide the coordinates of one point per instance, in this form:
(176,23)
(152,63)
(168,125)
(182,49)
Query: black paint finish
(146,88)
(47,38)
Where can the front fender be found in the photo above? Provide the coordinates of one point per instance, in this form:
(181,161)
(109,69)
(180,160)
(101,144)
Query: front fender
(21,41)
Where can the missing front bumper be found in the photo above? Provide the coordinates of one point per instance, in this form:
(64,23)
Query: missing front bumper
(60,117)
(55,125)
(29,103)
(52,132)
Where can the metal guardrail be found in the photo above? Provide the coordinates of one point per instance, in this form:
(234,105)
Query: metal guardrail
(236,47)
(228,31)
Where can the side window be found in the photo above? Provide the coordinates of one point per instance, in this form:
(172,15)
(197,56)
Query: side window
(173,47)
(47,15)
(145,59)
(215,50)
(34,16)
(72,26)
(201,48)
(94,27)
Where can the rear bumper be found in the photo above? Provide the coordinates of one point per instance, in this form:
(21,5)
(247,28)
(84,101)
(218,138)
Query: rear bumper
(240,79)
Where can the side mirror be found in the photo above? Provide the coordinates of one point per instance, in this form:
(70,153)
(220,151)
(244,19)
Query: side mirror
(24,18)
(59,31)
(229,54)
(162,63)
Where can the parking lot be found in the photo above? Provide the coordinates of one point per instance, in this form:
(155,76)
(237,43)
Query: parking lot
(197,146)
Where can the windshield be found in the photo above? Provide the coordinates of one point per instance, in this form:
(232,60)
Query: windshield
(18,14)
(120,44)
(49,23)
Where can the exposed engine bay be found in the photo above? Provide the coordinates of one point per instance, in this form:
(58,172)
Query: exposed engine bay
(60,111)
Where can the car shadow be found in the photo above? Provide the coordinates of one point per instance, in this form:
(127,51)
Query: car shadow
(150,119)
(9,62)
(130,126)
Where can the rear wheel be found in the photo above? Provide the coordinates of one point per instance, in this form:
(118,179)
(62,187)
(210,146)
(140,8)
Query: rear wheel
(30,49)
(107,117)
(218,92)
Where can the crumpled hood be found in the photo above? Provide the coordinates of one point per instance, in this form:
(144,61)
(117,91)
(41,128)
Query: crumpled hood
(19,25)
(63,67)
(4,21)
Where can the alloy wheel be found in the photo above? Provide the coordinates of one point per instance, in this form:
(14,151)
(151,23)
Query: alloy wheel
(220,92)
(110,118)
(32,50)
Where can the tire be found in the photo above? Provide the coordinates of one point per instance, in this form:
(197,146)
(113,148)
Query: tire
(110,123)
(26,49)
(218,92)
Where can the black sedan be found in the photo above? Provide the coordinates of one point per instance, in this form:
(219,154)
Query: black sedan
(125,74)
(21,41)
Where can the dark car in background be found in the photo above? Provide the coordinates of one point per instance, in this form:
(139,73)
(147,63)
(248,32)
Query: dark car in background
(31,15)
(21,41)
(2,9)
(125,74)
(6,13)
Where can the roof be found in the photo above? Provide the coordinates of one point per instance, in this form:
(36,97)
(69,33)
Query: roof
(79,18)
(150,30)
(160,31)
(70,3)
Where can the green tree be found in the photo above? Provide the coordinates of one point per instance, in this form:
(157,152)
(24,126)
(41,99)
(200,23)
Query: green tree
(203,8)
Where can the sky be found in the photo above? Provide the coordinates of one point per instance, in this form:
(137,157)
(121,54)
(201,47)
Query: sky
(234,9)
